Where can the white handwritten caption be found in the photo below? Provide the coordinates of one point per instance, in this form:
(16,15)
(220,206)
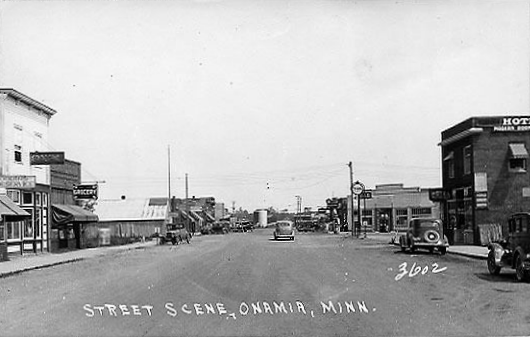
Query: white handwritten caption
(415,270)
(219,309)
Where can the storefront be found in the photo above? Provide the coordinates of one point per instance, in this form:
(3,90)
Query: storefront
(13,220)
(68,226)
(485,176)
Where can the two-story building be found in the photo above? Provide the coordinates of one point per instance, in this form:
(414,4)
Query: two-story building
(24,129)
(485,175)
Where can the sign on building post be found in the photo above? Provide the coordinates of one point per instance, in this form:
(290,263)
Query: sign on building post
(86,191)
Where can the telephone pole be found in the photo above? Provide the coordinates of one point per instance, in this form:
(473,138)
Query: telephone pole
(350,164)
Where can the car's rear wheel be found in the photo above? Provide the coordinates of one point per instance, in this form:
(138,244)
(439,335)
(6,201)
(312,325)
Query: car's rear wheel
(520,273)
(492,266)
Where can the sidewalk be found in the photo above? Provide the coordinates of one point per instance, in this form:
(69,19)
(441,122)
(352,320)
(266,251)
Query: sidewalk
(21,263)
(477,252)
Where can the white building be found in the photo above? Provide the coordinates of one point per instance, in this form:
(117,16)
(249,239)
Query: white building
(24,126)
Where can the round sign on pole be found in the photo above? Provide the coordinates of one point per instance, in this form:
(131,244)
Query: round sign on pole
(357,188)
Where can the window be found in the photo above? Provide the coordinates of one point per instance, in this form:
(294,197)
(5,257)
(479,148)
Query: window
(28,226)
(37,199)
(13,230)
(18,154)
(467,159)
(2,231)
(450,164)
(14,196)
(38,223)
(518,157)
(18,144)
(27,198)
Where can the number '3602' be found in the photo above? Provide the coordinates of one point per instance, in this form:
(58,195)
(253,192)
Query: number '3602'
(415,270)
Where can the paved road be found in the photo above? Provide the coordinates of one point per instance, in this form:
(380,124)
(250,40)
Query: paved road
(245,284)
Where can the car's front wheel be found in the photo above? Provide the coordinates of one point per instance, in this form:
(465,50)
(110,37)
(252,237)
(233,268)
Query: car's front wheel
(443,250)
(492,266)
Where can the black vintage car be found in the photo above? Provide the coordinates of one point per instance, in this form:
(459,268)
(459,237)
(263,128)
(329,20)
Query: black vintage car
(175,234)
(513,251)
(425,233)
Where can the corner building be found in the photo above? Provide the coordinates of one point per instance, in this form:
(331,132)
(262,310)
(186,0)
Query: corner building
(485,176)
(24,129)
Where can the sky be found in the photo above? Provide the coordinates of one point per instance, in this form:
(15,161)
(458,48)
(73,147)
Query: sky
(260,101)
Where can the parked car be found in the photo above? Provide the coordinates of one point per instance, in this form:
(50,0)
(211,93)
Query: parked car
(425,233)
(284,230)
(218,228)
(175,234)
(513,251)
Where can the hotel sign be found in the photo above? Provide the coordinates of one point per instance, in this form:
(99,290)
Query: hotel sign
(19,182)
(513,124)
(46,158)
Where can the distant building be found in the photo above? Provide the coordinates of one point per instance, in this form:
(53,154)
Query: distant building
(392,206)
(126,220)
(485,175)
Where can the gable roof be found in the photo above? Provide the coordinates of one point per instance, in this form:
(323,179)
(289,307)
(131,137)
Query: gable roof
(131,209)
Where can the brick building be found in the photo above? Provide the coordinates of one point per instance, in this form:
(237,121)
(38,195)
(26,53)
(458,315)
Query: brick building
(484,175)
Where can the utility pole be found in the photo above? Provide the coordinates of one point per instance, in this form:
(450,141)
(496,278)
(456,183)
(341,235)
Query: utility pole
(187,206)
(169,178)
(351,199)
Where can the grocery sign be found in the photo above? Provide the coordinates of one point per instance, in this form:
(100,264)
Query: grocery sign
(86,191)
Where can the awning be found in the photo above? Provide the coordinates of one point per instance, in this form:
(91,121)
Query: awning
(196,216)
(518,150)
(63,214)
(209,217)
(9,208)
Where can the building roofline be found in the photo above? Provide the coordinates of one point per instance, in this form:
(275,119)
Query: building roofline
(28,100)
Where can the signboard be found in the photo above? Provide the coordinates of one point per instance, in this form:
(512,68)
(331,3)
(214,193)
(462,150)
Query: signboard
(86,191)
(46,158)
(366,194)
(438,194)
(18,182)
(513,124)
(481,200)
(357,188)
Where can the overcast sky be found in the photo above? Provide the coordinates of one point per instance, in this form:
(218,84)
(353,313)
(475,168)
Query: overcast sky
(260,101)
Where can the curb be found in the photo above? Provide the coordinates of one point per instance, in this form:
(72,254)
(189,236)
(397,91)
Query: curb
(70,260)
(47,265)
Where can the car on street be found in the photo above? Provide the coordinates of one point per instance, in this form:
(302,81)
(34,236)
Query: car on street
(284,229)
(425,233)
(175,234)
(513,251)
(218,228)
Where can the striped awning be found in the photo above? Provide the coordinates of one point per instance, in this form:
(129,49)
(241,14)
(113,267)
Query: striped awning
(9,208)
(518,150)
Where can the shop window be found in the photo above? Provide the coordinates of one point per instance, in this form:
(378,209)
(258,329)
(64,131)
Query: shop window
(467,159)
(29,225)
(421,211)
(45,199)
(13,230)
(38,223)
(14,196)
(27,198)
